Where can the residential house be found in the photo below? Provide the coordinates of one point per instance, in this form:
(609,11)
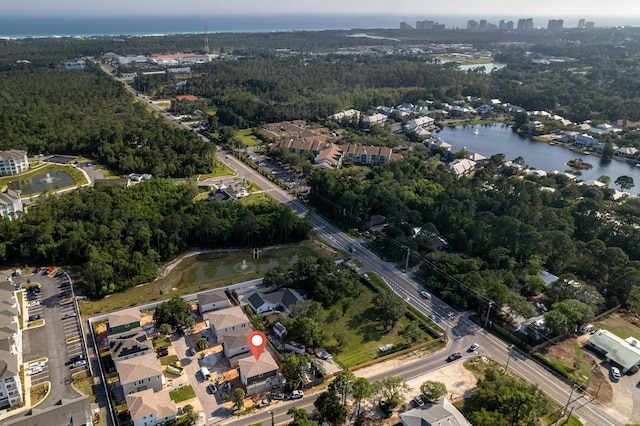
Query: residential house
(10,348)
(76,64)
(483,109)
(149,408)
(349,113)
(10,204)
(225,320)
(278,300)
(441,413)
(462,167)
(140,373)
(585,141)
(595,183)
(494,102)
(618,351)
(370,120)
(567,136)
(438,143)
(385,110)
(479,159)
(123,320)
(66,412)
(259,375)
(129,344)
(329,158)
(279,329)
(212,300)
(534,327)
(412,125)
(626,152)
(13,162)
(235,342)
(422,133)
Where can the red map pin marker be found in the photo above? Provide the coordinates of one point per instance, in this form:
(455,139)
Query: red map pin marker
(257,341)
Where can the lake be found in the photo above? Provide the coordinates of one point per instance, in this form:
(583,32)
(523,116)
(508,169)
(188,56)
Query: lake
(45,182)
(500,139)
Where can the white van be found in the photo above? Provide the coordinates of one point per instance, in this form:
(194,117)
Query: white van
(205,373)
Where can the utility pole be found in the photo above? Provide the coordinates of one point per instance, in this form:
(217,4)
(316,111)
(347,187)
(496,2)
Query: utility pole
(273,423)
(486,321)
(506,367)
(593,367)
(406,264)
(564,409)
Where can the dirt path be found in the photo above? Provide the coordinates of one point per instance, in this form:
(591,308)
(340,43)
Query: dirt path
(166,269)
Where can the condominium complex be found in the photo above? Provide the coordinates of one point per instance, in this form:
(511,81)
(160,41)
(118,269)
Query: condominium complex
(10,348)
(13,162)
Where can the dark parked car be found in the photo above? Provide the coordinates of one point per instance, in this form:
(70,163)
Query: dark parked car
(65,294)
(58,274)
(35,317)
(454,356)
(74,358)
(162,352)
(387,411)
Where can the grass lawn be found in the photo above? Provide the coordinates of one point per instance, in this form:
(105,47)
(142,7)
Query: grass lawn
(364,334)
(619,325)
(256,198)
(551,419)
(84,383)
(161,341)
(219,170)
(201,272)
(247,138)
(38,392)
(182,394)
(168,360)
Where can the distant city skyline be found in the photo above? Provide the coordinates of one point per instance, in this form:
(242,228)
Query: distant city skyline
(562,9)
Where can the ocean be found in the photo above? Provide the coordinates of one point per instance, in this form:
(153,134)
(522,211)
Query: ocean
(12,26)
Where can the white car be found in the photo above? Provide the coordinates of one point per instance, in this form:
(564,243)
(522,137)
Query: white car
(615,374)
(474,347)
(296,394)
(35,369)
(33,303)
(425,294)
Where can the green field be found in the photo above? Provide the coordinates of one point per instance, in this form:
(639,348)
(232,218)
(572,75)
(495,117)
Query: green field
(201,272)
(364,334)
(619,325)
(247,138)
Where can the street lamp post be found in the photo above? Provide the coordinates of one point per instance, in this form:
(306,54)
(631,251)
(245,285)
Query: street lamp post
(272,420)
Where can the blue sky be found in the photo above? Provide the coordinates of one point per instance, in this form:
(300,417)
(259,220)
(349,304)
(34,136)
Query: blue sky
(471,8)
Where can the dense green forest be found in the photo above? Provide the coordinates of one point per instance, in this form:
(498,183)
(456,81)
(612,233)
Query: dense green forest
(501,230)
(85,112)
(119,236)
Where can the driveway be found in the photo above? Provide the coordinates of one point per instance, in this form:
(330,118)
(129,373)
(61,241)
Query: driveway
(213,411)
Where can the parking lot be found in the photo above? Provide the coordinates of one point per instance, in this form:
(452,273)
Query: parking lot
(52,335)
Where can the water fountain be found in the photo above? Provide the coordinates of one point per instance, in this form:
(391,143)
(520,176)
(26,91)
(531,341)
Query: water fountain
(47,179)
(243,265)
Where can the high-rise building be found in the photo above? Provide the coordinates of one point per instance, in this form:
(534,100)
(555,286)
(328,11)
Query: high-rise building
(483,25)
(589,25)
(405,26)
(509,26)
(502,26)
(525,24)
(429,25)
(473,25)
(581,23)
(555,24)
